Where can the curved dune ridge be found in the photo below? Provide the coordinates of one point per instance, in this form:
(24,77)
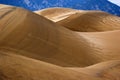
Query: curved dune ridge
(16,67)
(42,39)
(56,14)
(82,21)
(106,70)
(56,45)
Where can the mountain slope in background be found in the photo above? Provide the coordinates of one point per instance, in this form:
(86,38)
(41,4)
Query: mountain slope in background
(103,5)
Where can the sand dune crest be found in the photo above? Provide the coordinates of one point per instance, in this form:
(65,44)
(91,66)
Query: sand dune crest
(83,21)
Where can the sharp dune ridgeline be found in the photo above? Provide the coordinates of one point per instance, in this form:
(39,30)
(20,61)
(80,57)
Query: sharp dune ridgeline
(58,44)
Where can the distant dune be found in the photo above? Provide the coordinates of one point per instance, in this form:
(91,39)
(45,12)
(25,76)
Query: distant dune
(83,21)
(56,14)
(58,44)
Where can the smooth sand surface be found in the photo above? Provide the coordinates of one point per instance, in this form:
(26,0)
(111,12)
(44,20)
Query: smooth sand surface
(55,44)
(16,67)
(104,42)
(83,21)
(32,35)
(109,70)
(56,14)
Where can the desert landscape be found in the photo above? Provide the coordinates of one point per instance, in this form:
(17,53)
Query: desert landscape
(58,44)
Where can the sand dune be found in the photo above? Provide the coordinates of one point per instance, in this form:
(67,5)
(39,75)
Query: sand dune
(109,70)
(34,36)
(91,21)
(105,44)
(83,21)
(56,14)
(16,67)
(58,44)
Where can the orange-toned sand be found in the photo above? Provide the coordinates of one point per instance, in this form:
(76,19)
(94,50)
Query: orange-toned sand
(60,46)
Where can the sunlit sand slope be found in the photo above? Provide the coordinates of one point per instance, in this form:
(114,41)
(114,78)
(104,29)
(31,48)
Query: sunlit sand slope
(109,70)
(56,14)
(106,43)
(83,21)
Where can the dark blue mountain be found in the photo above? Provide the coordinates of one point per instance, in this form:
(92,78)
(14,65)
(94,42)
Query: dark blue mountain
(103,5)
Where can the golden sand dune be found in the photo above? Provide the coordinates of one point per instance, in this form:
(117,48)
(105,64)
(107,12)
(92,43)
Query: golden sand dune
(109,70)
(56,14)
(32,35)
(106,44)
(16,67)
(83,21)
(33,47)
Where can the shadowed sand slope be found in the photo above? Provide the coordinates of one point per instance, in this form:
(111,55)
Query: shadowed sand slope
(83,21)
(32,35)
